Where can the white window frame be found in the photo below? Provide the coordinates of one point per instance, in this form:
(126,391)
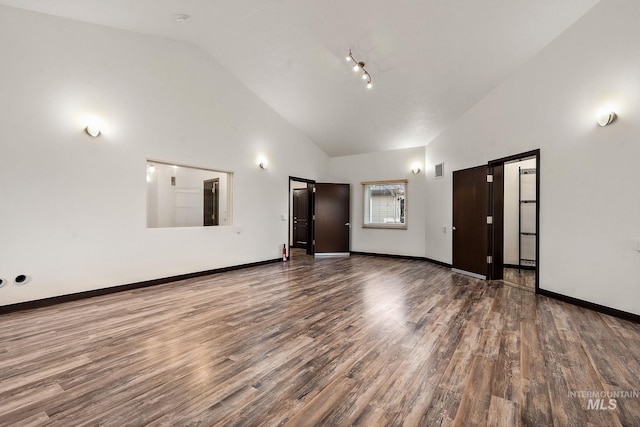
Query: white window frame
(400,208)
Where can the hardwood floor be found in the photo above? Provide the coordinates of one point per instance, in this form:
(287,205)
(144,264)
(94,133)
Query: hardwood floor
(524,279)
(345,341)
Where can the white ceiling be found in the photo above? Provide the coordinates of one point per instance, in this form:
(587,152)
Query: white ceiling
(431,60)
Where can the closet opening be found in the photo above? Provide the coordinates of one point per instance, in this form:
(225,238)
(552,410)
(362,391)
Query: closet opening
(514,235)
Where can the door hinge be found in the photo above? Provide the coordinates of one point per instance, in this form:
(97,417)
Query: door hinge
(489,219)
(489,259)
(314,242)
(314,217)
(314,189)
(489,178)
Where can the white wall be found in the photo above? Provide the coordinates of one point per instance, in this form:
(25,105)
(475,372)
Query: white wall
(512,212)
(378,167)
(590,211)
(74,208)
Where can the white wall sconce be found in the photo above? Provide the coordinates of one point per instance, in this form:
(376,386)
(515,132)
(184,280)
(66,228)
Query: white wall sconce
(263,164)
(92,130)
(150,171)
(93,126)
(415,168)
(605,118)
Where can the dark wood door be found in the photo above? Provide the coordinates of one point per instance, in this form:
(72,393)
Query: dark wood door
(211,198)
(496,230)
(470,208)
(300,217)
(332,228)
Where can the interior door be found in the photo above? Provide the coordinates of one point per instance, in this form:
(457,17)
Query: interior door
(332,223)
(496,230)
(300,217)
(470,209)
(211,199)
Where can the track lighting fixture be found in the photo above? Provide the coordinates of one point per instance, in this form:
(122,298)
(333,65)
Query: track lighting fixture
(359,66)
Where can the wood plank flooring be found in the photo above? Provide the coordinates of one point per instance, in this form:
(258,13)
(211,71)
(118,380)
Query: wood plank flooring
(524,279)
(346,341)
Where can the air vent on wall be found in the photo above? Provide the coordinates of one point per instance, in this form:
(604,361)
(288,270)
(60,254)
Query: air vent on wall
(440,170)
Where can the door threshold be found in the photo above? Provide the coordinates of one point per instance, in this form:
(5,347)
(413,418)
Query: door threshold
(332,254)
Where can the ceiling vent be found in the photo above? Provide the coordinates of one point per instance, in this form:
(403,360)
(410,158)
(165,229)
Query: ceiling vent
(440,170)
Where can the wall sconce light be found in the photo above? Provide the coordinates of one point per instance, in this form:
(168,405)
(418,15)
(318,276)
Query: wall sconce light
(93,126)
(150,171)
(415,168)
(92,130)
(263,164)
(606,118)
(359,66)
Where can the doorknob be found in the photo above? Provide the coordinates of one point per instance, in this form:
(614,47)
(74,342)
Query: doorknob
(348,224)
(453,228)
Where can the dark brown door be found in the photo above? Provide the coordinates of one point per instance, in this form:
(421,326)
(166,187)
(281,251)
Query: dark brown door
(470,208)
(496,230)
(331,233)
(211,198)
(300,217)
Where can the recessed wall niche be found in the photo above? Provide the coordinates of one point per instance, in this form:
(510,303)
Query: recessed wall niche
(187,196)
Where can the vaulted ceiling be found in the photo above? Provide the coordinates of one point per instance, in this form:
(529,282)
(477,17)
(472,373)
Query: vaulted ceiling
(431,60)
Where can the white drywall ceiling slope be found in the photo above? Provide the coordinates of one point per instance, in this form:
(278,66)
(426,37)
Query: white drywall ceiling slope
(431,60)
